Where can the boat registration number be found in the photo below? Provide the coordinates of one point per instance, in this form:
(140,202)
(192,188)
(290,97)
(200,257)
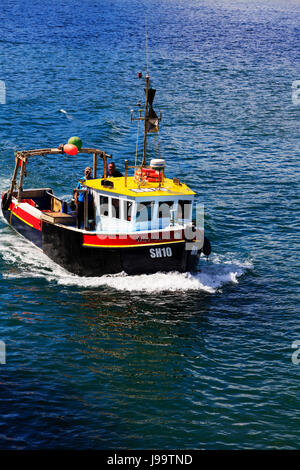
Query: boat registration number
(160,252)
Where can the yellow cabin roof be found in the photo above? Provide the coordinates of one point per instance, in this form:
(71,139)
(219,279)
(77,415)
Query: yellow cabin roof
(149,189)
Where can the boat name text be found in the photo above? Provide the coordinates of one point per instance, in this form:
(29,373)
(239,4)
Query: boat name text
(160,252)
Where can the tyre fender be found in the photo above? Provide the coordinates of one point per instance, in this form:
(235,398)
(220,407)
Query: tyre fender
(206,249)
(6,201)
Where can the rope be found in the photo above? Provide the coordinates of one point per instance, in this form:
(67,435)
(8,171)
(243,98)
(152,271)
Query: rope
(12,211)
(158,147)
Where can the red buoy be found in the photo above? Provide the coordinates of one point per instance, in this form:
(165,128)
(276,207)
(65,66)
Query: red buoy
(70,149)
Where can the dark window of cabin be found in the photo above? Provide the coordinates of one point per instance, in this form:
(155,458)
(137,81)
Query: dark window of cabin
(164,209)
(184,209)
(144,211)
(103,205)
(128,210)
(115,207)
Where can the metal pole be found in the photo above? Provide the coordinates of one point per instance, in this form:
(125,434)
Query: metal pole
(145,122)
(95,155)
(85,210)
(104,164)
(126,168)
(21,180)
(14,177)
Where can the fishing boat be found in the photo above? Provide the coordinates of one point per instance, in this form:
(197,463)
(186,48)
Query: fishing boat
(139,222)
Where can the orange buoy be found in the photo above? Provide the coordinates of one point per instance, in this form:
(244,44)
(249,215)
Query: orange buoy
(70,149)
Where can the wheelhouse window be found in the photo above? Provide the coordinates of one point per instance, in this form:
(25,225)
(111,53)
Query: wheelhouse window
(104,208)
(115,207)
(164,209)
(128,210)
(144,211)
(184,209)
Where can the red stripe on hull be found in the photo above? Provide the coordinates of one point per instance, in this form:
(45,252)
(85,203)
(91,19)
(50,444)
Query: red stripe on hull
(26,217)
(132,239)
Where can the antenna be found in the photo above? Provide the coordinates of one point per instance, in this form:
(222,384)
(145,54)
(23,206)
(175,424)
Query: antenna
(147,58)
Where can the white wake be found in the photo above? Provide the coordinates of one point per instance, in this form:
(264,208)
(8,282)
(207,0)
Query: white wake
(24,260)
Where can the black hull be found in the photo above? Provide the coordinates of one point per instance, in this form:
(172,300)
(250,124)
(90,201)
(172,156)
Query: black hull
(35,236)
(65,247)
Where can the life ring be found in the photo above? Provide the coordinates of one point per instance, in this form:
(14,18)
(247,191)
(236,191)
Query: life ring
(152,175)
(6,201)
(153,180)
(147,175)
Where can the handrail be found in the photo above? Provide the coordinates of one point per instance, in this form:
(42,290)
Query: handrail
(55,151)
(23,155)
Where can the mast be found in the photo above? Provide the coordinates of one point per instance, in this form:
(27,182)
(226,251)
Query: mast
(151,120)
(146,97)
(146,120)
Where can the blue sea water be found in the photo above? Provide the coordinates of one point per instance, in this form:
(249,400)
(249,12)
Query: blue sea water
(165,361)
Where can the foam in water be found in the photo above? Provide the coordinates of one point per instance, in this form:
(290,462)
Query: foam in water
(4,185)
(23,260)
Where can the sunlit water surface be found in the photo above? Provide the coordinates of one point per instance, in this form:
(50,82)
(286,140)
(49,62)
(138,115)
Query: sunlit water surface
(172,360)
